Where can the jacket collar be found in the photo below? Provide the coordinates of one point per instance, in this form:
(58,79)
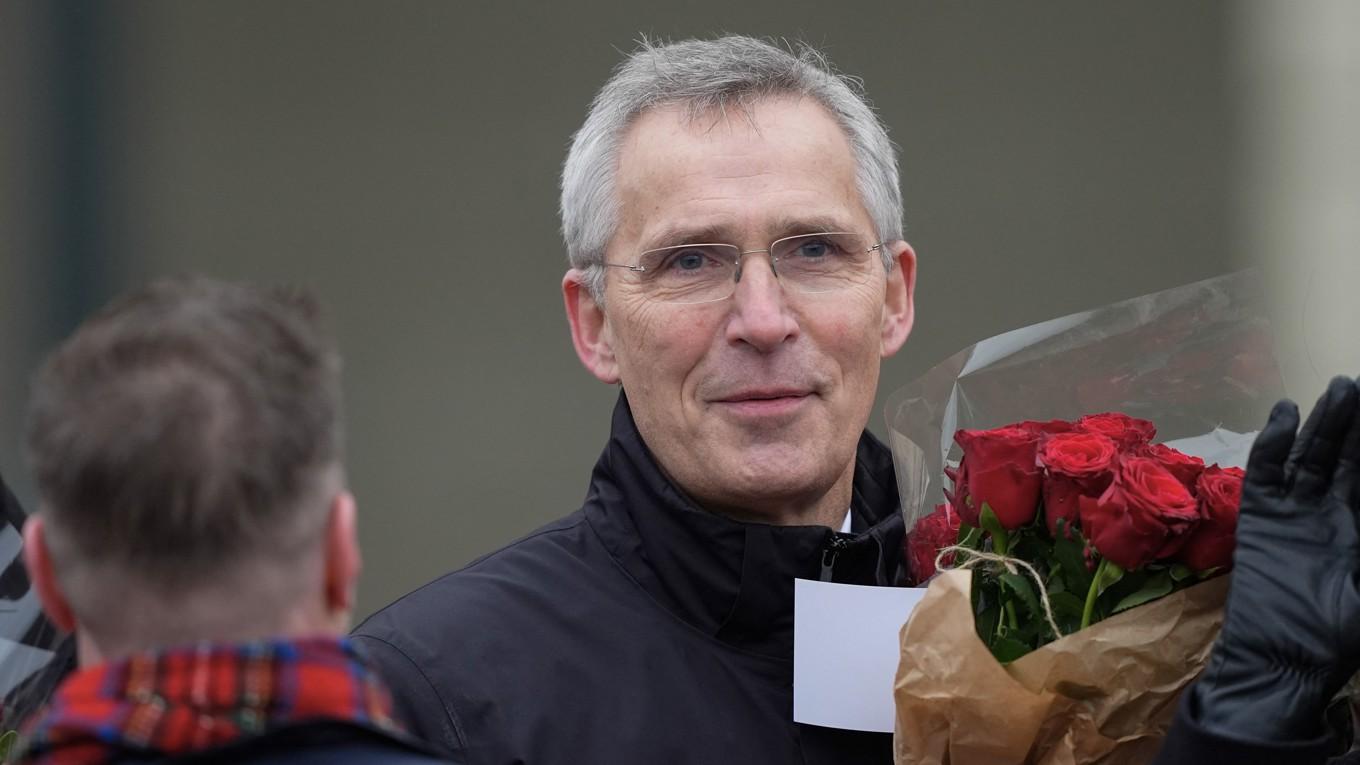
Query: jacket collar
(734,580)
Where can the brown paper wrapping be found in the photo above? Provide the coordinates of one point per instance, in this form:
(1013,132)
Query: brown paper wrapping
(1106,694)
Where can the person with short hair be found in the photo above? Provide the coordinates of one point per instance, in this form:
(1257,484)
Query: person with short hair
(733,222)
(196,535)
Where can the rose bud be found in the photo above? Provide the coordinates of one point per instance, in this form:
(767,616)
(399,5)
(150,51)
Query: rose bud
(1079,464)
(1211,544)
(1002,472)
(1145,514)
(1129,432)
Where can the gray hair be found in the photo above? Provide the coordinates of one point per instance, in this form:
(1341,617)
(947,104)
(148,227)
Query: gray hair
(706,75)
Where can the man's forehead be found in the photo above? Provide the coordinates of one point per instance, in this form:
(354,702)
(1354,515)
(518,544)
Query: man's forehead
(748,121)
(684,180)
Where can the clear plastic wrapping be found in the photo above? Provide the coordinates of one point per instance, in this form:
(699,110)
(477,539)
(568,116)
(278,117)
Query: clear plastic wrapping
(1197,360)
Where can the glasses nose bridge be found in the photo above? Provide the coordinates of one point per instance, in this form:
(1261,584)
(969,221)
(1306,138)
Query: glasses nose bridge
(741,255)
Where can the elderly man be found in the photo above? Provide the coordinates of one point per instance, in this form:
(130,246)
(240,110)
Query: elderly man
(733,221)
(196,535)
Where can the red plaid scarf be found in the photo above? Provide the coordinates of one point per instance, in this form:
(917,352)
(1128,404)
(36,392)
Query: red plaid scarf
(190,699)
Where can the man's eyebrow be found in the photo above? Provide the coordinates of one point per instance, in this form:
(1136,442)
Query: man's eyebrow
(685,234)
(671,236)
(811,224)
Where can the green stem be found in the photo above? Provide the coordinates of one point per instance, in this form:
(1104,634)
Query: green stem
(1001,545)
(1092,592)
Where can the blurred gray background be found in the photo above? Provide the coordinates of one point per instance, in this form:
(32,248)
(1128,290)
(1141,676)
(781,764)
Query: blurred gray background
(401,160)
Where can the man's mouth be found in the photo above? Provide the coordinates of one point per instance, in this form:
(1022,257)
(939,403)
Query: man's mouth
(764,402)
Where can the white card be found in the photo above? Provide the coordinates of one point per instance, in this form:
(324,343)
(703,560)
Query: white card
(846,647)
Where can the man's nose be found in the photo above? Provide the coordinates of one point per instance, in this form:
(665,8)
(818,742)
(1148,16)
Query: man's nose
(760,314)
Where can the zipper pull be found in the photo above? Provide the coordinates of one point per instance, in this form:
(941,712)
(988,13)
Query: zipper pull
(834,546)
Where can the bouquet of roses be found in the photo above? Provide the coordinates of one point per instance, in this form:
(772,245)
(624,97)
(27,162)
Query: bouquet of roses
(1074,522)
(1075,597)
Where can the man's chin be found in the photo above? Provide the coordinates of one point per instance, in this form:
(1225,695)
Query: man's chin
(775,497)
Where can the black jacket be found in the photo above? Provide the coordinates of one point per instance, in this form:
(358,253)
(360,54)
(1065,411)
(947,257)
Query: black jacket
(1188,743)
(637,629)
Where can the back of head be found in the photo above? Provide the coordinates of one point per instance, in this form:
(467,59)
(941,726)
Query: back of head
(185,440)
(723,75)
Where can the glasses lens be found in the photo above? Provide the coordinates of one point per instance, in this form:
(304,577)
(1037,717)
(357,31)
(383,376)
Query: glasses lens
(822,262)
(689,273)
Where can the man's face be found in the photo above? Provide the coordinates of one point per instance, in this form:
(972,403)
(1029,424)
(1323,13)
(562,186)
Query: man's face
(753,404)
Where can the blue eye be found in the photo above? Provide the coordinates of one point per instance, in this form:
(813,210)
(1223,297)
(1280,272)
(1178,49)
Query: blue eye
(688,260)
(816,248)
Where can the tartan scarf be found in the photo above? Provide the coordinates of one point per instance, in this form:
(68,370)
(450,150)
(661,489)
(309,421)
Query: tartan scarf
(193,698)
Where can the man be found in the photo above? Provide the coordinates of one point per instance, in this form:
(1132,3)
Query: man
(733,221)
(196,536)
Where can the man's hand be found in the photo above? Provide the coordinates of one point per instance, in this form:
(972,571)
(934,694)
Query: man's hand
(1291,632)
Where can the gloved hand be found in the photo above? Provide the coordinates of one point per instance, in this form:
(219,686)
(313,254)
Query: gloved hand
(1291,630)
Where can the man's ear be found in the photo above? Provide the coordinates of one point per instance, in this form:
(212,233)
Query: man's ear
(343,560)
(590,332)
(43,576)
(899,302)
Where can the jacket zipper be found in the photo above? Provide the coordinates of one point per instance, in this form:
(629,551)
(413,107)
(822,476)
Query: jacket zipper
(833,548)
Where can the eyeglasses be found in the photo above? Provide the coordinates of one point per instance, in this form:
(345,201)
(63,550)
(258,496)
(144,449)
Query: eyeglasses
(704,273)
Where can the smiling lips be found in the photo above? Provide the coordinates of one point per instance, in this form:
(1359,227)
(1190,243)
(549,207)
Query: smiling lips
(764,402)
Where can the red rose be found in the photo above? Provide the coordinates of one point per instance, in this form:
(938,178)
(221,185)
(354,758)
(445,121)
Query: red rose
(1145,514)
(1128,432)
(1185,467)
(1047,428)
(1211,544)
(1079,464)
(931,534)
(1002,472)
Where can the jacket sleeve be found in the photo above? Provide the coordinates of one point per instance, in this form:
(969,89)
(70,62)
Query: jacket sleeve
(1189,743)
(418,705)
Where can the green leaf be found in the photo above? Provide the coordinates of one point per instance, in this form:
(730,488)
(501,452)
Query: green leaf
(1071,559)
(7,742)
(1156,586)
(1130,582)
(1054,582)
(1020,585)
(1007,650)
(986,607)
(1180,572)
(992,524)
(1067,609)
(1110,574)
(969,536)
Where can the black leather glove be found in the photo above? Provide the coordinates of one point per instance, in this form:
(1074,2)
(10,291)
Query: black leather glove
(1291,631)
